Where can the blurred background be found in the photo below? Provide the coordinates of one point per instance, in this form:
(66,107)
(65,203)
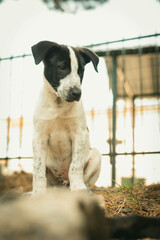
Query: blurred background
(122,101)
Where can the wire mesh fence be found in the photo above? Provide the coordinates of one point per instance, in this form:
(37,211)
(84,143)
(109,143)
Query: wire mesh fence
(126,128)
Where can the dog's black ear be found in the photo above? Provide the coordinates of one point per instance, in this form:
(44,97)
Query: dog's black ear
(88,56)
(41,49)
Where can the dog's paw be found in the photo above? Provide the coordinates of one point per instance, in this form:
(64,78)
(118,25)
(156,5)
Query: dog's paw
(83,189)
(28,194)
(78,188)
(87,190)
(77,185)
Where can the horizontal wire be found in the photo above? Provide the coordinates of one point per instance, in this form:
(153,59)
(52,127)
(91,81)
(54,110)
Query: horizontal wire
(92,45)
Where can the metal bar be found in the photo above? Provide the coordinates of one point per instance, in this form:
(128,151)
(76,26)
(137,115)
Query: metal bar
(11,158)
(21,119)
(147,95)
(108,110)
(93,45)
(139,153)
(129,51)
(21,124)
(132,153)
(140,69)
(158,80)
(9,113)
(103,154)
(114,90)
(8,120)
(133,140)
(124,40)
(13,57)
(157,67)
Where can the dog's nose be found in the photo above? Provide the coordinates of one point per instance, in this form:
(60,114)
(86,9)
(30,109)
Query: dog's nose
(75,93)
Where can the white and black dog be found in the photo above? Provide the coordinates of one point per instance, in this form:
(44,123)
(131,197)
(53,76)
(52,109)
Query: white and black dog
(61,148)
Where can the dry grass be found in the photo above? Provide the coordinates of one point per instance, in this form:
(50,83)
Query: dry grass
(137,200)
(120,201)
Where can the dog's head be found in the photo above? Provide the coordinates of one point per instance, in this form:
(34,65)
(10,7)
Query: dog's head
(64,67)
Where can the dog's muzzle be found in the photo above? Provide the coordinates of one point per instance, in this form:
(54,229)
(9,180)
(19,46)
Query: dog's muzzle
(74,94)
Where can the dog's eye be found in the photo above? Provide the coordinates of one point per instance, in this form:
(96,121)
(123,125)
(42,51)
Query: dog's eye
(62,67)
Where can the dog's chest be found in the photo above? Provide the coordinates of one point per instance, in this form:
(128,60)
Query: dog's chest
(60,144)
(59,150)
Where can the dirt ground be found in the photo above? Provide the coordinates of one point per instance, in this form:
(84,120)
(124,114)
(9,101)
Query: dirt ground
(18,181)
(120,201)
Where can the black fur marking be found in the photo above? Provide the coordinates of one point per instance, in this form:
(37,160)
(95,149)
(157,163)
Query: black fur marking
(57,62)
(41,49)
(58,101)
(57,66)
(81,63)
(89,56)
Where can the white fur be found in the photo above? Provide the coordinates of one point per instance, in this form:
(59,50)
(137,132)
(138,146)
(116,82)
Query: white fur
(72,80)
(61,139)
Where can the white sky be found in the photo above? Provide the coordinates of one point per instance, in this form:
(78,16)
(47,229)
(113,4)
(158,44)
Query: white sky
(25,22)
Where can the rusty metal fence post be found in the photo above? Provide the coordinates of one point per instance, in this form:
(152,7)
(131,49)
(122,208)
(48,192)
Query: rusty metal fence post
(114,91)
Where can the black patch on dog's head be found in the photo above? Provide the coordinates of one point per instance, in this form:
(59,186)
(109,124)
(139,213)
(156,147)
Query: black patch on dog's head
(57,65)
(56,59)
(57,62)
(81,63)
(84,56)
(88,56)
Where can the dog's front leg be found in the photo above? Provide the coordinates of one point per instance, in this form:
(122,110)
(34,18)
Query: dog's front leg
(40,147)
(80,149)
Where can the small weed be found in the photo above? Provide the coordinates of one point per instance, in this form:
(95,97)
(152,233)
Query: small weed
(130,196)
